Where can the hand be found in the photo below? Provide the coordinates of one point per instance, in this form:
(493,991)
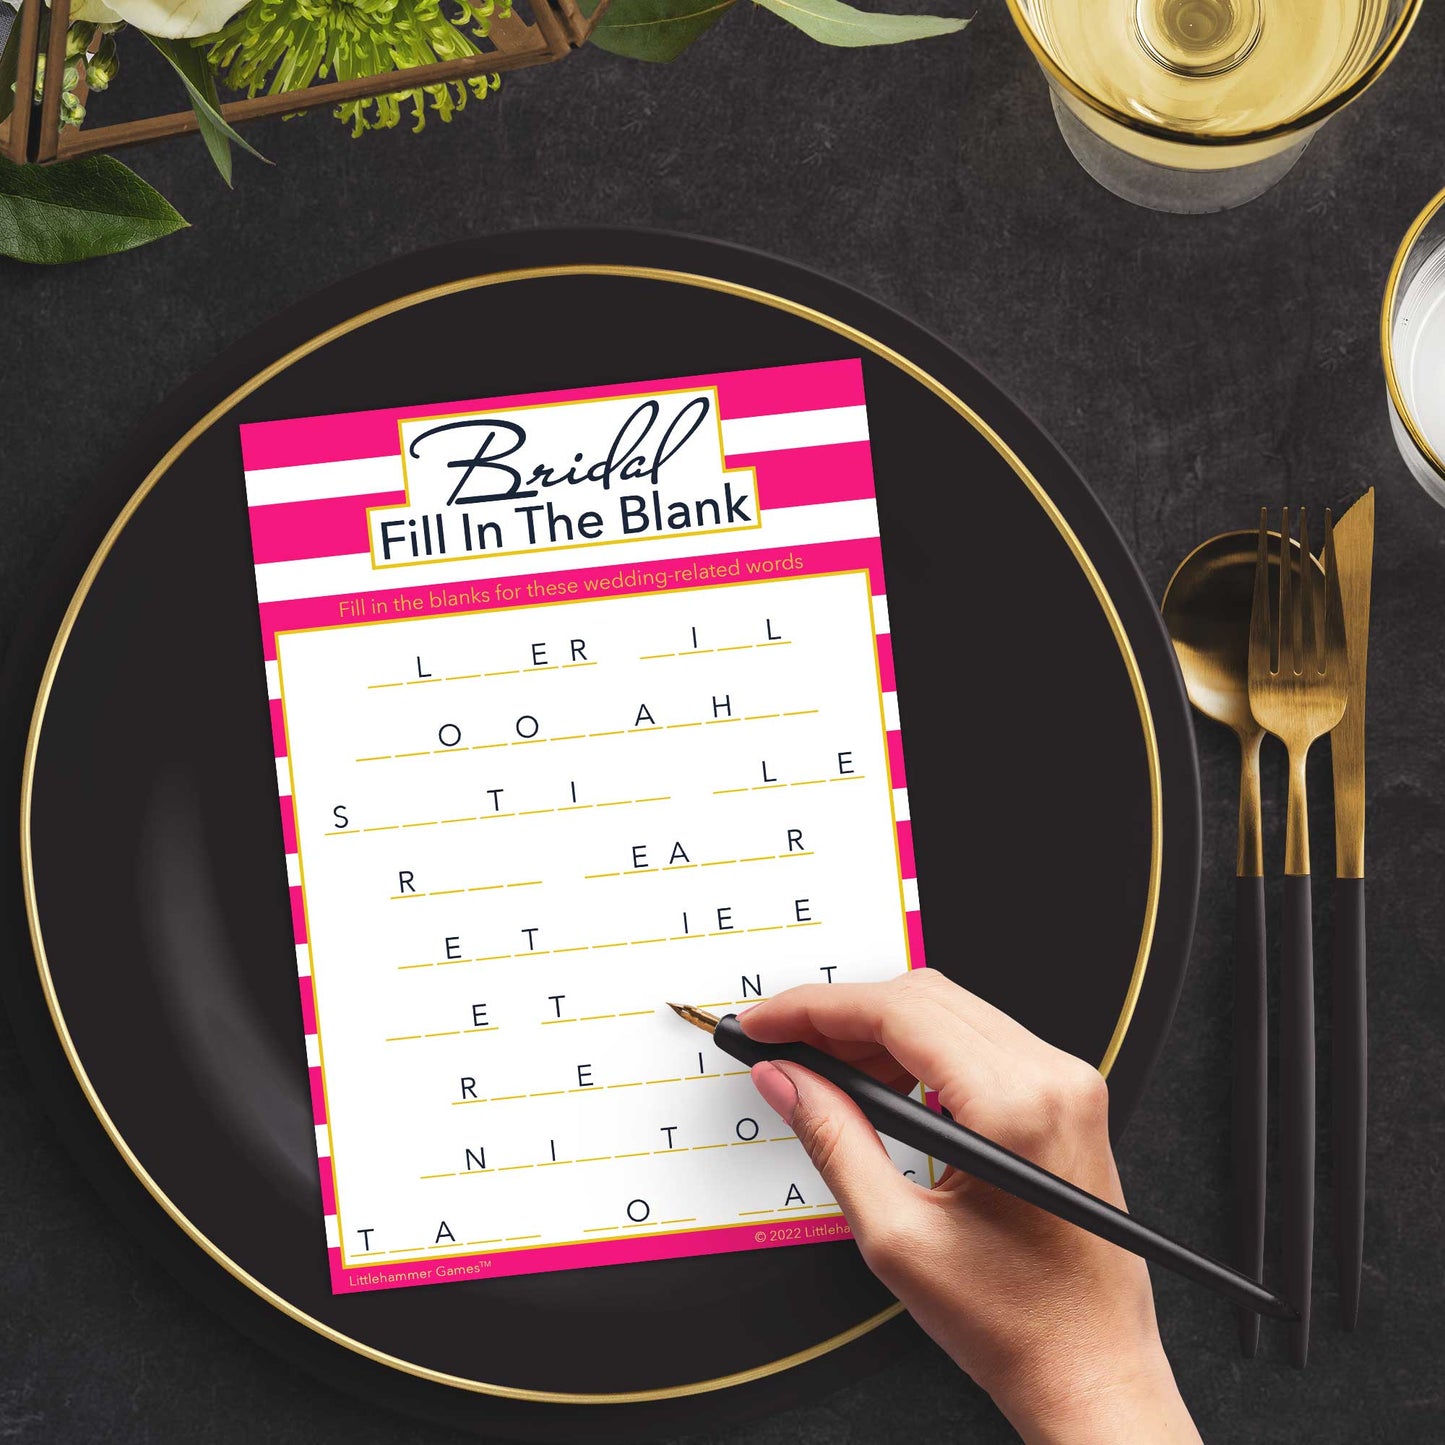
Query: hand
(1056,1325)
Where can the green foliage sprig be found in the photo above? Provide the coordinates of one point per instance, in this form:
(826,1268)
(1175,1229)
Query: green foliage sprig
(95,206)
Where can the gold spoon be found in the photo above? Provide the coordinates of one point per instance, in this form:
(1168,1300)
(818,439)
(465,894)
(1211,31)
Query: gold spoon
(1206,608)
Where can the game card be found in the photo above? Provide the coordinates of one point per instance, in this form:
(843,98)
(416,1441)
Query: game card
(582,701)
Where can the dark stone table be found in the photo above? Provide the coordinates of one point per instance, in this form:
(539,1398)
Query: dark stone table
(1192,367)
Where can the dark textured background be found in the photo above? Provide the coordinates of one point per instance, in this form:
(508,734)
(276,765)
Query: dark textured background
(1192,367)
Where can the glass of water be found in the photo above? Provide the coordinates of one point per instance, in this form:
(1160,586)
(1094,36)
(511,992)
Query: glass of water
(1412,338)
(1200,105)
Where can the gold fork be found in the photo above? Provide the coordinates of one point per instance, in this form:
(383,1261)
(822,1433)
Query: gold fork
(1298,697)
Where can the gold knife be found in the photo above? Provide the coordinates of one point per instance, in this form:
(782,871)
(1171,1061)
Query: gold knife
(1354,551)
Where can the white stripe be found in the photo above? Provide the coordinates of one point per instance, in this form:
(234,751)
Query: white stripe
(323,1142)
(880,615)
(313,1051)
(316,481)
(283,777)
(333,1237)
(788,527)
(910,895)
(293,870)
(273,681)
(900,805)
(827,427)
(303,960)
(890,711)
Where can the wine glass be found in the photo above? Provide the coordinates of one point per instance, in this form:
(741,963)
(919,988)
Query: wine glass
(1412,340)
(1201,105)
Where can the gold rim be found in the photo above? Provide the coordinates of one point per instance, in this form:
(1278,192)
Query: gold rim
(1302,122)
(1387,351)
(77,601)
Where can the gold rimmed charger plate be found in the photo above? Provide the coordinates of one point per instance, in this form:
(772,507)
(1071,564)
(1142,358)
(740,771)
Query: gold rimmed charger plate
(1102,821)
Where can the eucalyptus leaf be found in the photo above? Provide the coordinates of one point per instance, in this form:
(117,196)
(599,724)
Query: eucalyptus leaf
(200,82)
(835,23)
(658,30)
(93,206)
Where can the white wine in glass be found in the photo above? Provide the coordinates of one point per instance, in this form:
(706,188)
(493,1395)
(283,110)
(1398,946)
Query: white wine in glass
(1198,105)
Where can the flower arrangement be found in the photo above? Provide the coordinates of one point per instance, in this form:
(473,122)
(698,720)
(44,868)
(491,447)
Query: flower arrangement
(93,205)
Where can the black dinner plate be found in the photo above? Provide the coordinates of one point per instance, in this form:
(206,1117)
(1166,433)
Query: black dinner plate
(1051,771)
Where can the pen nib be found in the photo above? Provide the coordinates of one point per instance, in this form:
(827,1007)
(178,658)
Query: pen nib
(695,1016)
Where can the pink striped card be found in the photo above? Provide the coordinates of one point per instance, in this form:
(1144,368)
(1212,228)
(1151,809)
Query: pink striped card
(581,700)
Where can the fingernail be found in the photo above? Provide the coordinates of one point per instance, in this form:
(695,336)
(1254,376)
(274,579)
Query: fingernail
(777,1088)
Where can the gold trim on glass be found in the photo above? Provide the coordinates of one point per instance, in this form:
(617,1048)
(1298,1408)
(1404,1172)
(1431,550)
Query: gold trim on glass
(1387,318)
(1305,121)
(259,379)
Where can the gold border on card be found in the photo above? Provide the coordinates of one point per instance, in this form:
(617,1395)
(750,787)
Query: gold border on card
(324,338)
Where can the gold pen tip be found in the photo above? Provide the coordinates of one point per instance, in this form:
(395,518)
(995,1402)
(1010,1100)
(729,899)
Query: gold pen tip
(695,1016)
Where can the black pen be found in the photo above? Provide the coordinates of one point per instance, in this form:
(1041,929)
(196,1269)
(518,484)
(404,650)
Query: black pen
(905,1119)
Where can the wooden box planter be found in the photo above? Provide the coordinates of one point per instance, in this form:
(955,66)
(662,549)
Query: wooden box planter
(556,28)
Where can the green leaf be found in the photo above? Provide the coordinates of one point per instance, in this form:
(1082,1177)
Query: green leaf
(200,82)
(9,65)
(93,206)
(657,30)
(834,23)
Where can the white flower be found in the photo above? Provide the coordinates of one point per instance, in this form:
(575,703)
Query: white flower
(94,12)
(172,19)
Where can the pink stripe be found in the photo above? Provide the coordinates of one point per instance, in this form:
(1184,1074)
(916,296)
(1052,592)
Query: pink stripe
(308,1005)
(819,557)
(288,823)
(351,436)
(298,915)
(318,1097)
(805,476)
(331,527)
(328,1188)
(774,389)
(278,728)
(905,850)
(369,1276)
(886,678)
(895,760)
(915,942)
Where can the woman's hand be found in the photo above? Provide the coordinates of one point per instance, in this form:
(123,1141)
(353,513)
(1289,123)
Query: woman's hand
(1056,1325)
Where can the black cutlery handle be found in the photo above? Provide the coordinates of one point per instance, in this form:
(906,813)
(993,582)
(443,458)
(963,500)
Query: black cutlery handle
(1250,1099)
(1349,1061)
(1297,1106)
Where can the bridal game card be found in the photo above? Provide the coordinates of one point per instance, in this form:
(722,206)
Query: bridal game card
(582,701)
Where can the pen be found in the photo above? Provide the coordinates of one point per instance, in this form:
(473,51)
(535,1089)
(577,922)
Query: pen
(905,1119)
